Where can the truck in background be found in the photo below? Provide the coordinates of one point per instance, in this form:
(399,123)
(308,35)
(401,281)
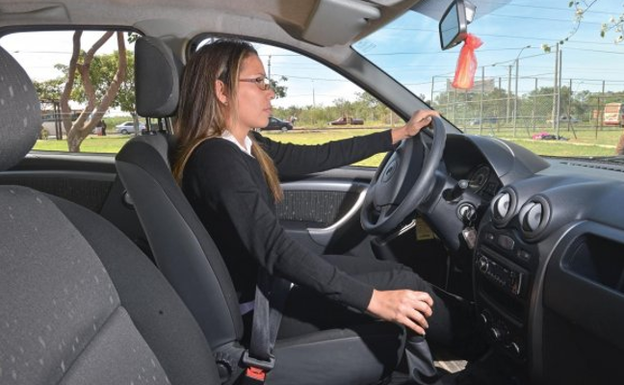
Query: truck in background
(613,114)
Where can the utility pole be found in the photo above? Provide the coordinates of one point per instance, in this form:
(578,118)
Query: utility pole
(570,126)
(534,105)
(508,96)
(432,88)
(515,109)
(313,96)
(555,113)
(481,101)
(560,54)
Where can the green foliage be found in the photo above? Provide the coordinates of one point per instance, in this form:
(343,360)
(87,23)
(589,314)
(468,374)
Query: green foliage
(365,106)
(49,90)
(614,25)
(102,72)
(280,90)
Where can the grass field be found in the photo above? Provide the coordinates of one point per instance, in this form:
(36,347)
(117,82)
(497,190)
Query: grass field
(587,143)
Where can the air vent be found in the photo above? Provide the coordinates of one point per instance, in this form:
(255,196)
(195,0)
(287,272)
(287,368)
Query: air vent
(503,206)
(534,217)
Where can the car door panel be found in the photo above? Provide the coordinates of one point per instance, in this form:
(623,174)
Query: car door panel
(323,211)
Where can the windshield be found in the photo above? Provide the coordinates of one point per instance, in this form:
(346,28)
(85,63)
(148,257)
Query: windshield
(545,77)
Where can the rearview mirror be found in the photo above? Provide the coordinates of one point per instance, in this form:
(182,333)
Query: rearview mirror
(454,23)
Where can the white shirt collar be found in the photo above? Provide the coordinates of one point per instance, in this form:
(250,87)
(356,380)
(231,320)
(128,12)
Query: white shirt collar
(227,135)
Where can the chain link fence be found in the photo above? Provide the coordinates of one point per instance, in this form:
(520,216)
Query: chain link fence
(519,99)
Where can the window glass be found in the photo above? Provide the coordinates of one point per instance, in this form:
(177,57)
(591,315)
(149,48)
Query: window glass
(83,120)
(319,104)
(547,76)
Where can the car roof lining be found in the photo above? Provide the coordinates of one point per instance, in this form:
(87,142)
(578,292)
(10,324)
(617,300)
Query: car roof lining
(302,20)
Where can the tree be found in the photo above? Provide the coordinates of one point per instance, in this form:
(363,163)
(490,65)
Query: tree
(614,25)
(343,107)
(367,106)
(280,90)
(49,89)
(99,93)
(102,73)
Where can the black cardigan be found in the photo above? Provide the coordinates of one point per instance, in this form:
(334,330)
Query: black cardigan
(228,191)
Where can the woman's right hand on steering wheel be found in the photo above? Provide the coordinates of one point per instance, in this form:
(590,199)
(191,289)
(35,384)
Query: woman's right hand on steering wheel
(405,307)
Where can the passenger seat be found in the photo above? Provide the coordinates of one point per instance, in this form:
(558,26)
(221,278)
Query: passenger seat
(79,302)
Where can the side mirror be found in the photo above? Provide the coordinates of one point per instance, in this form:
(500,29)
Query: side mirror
(453,26)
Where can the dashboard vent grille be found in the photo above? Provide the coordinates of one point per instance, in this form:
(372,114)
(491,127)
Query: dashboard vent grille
(504,206)
(600,166)
(534,216)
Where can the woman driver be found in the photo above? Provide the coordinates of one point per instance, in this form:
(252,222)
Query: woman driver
(230,174)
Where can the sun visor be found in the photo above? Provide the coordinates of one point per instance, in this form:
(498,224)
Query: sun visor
(50,12)
(435,8)
(335,22)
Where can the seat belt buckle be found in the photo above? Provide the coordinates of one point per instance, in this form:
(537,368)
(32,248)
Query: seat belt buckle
(254,376)
(256,371)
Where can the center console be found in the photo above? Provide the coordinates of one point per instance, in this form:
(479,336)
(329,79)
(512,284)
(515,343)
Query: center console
(503,270)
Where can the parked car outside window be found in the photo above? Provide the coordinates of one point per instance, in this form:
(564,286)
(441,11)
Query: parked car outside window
(126,128)
(277,124)
(344,121)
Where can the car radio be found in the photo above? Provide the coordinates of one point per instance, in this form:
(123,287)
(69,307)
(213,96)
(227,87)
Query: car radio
(510,280)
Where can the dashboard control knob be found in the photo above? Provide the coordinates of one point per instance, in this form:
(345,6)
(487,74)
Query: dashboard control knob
(483,264)
(515,349)
(496,333)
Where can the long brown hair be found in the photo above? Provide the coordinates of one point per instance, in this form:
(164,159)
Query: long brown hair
(200,114)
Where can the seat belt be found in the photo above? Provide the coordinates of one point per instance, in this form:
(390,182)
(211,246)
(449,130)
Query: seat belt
(271,294)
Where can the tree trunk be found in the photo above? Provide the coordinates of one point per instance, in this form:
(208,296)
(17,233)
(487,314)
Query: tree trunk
(94,110)
(74,141)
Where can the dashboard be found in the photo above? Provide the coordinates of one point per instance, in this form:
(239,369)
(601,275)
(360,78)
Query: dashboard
(548,256)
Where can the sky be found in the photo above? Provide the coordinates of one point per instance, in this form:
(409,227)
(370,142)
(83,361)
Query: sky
(516,30)
(409,50)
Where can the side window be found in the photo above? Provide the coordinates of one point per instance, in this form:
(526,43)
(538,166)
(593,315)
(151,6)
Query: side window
(86,89)
(314,104)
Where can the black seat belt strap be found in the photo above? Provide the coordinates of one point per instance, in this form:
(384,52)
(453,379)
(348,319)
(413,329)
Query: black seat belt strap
(271,294)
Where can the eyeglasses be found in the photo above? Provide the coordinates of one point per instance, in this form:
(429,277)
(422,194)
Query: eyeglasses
(261,81)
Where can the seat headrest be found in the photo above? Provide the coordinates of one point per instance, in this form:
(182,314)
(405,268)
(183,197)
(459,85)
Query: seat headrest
(157,78)
(20,113)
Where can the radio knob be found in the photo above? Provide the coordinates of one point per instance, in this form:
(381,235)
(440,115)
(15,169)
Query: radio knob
(496,333)
(485,318)
(515,349)
(483,264)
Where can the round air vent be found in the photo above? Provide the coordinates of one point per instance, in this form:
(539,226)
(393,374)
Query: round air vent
(534,216)
(503,206)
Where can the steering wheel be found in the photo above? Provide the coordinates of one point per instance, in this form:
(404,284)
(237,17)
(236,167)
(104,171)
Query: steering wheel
(403,181)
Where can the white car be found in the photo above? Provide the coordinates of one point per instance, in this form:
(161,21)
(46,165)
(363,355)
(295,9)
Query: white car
(126,128)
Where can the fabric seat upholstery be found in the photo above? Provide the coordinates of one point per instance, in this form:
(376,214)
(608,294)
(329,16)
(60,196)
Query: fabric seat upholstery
(190,260)
(79,302)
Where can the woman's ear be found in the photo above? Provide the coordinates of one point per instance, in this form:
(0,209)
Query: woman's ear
(221,92)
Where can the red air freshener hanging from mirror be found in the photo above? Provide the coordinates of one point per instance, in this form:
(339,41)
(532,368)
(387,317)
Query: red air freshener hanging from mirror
(467,63)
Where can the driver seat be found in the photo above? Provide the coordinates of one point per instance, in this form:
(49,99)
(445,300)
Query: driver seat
(189,258)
